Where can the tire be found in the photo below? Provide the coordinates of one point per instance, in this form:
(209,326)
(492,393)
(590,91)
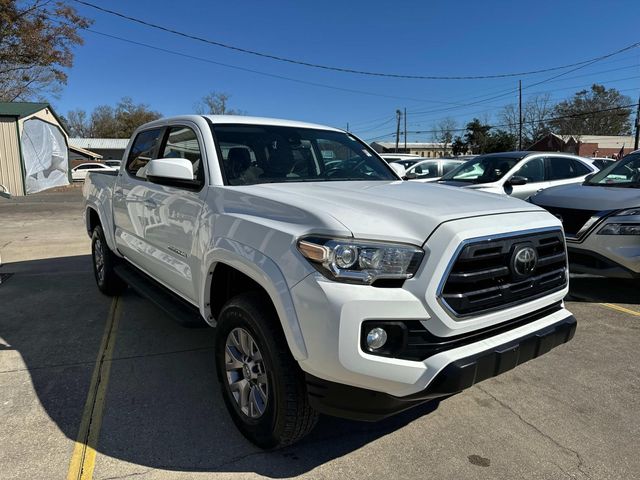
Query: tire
(285,417)
(104,260)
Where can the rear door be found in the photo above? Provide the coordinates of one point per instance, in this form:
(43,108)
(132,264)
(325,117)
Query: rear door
(129,195)
(562,170)
(172,215)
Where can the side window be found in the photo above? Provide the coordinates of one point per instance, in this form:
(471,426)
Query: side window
(141,152)
(581,169)
(533,170)
(448,166)
(182,142)
(427,170)
(560,168)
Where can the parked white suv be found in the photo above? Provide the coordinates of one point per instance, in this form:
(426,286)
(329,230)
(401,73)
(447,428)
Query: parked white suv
(519,174)
(338,289)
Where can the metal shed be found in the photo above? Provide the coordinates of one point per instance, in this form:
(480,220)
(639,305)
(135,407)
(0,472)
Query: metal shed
(33,148)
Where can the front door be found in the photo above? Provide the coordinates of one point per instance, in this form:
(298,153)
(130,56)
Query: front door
(533,171)
(172,217)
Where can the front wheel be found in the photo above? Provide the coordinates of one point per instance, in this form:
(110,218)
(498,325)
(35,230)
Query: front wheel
(103,262)
(262,384)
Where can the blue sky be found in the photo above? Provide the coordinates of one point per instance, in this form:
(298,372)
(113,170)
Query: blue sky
(422,38)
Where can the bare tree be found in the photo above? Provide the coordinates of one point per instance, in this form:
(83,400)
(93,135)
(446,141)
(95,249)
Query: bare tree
(36,42)
(78,123)
(215,103)
(444,131)
(536,114)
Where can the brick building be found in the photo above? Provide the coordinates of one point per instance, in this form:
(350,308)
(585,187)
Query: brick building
(585,145)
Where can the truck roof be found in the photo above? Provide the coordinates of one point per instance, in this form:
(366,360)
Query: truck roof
(241,119)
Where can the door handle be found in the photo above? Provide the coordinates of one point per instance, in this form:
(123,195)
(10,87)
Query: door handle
(150,203)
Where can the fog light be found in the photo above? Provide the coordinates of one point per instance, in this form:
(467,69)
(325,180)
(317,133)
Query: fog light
(376,338)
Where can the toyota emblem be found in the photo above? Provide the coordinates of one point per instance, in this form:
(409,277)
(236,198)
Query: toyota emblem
(524,260)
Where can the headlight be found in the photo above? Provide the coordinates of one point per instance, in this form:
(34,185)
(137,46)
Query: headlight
(355,261)
(628,211)
(620,229)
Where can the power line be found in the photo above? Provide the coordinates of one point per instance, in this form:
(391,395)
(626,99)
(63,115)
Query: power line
(344,69)
(549,119)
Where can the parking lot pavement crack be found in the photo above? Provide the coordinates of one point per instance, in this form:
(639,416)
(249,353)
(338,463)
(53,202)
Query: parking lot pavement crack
(128,475)
(580,465)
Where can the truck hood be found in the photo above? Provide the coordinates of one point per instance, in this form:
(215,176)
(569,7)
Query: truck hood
(584,197)
(394,211)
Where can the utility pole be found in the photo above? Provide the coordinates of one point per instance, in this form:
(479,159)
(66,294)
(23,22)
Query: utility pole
(405,130)
(520,115)
(398,116)
(347,126)
(637,126)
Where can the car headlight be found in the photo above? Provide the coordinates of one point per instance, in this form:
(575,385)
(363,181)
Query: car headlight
(363,262)
(628,211)
(620,229)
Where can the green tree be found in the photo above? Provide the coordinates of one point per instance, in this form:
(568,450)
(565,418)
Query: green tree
(36,42)
(477,136)
(597,111)
(480,139)
(110,122)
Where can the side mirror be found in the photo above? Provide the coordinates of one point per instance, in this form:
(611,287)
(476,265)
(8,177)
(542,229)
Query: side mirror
(410,176)
(399,169)
(176,172)
(517,180)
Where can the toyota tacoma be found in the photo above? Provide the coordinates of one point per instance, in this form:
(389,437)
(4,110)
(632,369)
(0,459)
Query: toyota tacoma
(334,286)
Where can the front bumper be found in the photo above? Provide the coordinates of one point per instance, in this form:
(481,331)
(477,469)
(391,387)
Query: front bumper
(616,256)
(362,404)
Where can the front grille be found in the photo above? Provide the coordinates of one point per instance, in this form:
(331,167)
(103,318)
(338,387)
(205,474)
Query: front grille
(572,219)
(481,278)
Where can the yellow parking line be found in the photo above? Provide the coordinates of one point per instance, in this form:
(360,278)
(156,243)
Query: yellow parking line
(84,452)
(621,309)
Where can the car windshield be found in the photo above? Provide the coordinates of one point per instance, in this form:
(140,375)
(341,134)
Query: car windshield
(274,154)
(623,173)
(483,169)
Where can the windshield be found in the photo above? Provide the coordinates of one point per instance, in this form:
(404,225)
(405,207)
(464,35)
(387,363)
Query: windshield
(623,173)
(272,154)
(484,169)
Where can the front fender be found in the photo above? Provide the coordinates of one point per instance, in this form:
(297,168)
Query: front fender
(263,271)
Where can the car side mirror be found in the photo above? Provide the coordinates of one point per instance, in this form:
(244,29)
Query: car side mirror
(399,169)
(518,180)
(176,172)
(410,176)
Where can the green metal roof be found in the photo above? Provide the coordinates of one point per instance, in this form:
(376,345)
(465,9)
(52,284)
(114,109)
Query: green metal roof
(21,109)
(24,109)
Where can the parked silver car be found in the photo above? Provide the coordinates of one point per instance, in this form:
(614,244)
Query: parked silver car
(601,219)
(519,174)
(432,169)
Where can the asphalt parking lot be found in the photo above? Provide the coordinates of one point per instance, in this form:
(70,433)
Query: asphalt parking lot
(111,389)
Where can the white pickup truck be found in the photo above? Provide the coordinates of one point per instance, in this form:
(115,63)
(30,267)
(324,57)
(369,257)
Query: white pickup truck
(334,286)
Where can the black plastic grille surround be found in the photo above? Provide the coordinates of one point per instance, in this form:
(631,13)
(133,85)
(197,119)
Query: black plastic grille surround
(481,278)
(572,219)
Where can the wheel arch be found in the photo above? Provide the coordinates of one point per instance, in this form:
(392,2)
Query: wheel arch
(230,260)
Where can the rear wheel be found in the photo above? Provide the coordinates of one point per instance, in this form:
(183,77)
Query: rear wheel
(103,262)
(262,384)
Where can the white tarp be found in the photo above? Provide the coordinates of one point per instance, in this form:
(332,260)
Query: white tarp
(45,155)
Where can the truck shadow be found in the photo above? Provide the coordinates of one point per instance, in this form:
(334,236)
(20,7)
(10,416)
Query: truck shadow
(163,406)
(584,288)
